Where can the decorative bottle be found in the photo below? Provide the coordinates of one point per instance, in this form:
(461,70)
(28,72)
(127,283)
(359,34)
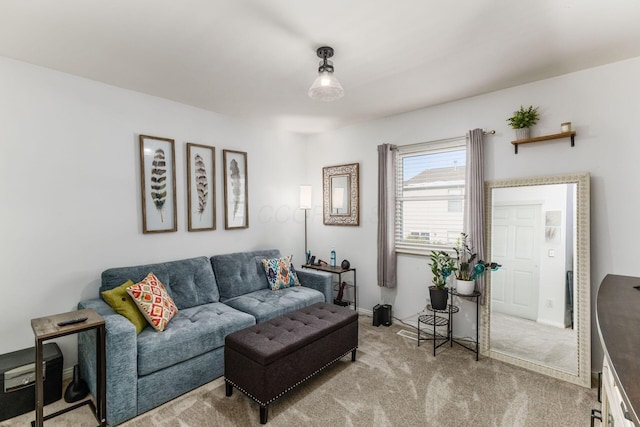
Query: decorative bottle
(333,258)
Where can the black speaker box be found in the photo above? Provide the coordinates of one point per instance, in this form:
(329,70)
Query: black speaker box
(377,315)
(18,380)
(387,315)
(382,315)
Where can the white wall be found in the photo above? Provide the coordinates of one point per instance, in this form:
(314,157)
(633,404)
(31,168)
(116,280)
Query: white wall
(70,190)
(69,180)
(602,103)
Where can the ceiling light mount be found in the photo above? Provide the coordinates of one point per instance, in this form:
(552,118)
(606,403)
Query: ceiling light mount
(325,52)
(326,87)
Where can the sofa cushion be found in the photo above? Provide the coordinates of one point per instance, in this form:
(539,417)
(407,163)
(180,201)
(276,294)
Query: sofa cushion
(123,304)
(241,273)
(192,332)
(190,282)
(280,273)
(154,302)
(266,304)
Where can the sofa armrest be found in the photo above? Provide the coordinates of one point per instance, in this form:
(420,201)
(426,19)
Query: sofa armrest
(319,281)
(121,357)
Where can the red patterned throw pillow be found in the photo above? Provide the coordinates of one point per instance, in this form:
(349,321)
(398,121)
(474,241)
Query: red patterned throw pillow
(154,301)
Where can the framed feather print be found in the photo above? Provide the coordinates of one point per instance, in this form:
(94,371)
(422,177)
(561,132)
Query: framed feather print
(201,187)
(236,197)
(158,184)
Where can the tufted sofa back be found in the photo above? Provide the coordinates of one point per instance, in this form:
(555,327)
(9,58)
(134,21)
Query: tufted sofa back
(241,272)
(190,282)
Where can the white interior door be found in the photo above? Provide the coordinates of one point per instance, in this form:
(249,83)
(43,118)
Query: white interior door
(515,242)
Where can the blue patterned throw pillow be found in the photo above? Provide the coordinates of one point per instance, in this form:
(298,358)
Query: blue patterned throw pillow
(280,272)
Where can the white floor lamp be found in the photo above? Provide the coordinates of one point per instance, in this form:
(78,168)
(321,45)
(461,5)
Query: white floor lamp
(305,204)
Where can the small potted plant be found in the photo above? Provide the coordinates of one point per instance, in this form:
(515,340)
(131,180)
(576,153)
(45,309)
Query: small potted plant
(441,266)
(467,268)
(522,120)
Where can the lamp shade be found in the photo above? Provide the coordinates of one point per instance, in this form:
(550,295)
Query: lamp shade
(326,87)
(305,197)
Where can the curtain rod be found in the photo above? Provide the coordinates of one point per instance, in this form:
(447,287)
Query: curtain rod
(484,132)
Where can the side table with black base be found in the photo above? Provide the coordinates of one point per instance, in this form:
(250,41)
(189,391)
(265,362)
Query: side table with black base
(475,295)
(46,328)
(339,271)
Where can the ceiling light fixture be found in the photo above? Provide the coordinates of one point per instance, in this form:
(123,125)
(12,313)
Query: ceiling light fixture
(326,87)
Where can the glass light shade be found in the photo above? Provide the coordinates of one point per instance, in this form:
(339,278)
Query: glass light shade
(305,197)
(326,87)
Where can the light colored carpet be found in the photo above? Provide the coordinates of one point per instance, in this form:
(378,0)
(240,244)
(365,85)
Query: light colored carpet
(392,383)
(549,345)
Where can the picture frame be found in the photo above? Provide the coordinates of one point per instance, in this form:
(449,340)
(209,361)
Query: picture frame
(341,194)
(201,187)
(236,193)
(158,184)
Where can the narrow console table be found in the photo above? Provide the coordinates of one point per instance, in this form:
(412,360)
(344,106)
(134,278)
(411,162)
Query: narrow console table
(46,328)
(618,319)
(339,271)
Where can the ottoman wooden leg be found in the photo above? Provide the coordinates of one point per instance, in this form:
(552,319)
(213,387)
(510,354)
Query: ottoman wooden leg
(353,355)
(228,389)
(264,412)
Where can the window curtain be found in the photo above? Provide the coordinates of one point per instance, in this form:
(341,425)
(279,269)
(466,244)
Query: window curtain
(474,223)
(386,215)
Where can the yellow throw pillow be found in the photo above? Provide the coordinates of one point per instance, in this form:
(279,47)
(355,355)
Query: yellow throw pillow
(121,302)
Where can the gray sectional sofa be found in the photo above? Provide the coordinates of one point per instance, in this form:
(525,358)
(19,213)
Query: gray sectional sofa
(215,297)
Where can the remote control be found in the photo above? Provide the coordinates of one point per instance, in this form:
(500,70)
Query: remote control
(72,321)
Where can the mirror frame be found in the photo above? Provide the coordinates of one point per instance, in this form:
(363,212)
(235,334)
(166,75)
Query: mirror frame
(582,281)
(353,217)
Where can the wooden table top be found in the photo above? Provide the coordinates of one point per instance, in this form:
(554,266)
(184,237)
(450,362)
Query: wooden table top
(618,317)
(47,327)
(327,268)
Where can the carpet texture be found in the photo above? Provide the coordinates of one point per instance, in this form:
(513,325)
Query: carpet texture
(392,383)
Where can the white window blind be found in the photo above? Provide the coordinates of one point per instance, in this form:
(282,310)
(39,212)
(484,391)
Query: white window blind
(430,195)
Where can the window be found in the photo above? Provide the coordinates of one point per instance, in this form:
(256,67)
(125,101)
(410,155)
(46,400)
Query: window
(430,195)
(455,205)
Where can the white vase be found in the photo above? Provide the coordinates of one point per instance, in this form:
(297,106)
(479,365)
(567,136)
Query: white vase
(523,133)
(465,287)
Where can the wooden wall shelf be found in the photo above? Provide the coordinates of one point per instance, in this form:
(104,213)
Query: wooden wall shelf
(570,134)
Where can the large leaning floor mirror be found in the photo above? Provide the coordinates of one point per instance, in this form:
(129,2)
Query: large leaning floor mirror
(537,311)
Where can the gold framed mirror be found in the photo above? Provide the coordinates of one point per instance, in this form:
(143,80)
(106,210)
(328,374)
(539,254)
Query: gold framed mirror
(537,305)
(341,199)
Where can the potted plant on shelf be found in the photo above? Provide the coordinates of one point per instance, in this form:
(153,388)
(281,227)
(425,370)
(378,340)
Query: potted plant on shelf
(522,120)
(466,269)
(441,266)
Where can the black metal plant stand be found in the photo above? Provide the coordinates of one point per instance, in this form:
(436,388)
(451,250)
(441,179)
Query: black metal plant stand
(465,344)
(436,320)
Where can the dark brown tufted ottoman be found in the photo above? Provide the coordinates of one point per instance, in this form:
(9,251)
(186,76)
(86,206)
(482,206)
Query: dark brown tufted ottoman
(268,359)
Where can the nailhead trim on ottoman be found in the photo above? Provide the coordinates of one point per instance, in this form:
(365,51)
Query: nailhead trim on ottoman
(269,359)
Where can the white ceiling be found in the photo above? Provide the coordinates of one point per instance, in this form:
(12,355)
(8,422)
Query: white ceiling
(256,59)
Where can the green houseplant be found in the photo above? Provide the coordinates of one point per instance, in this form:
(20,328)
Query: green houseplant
(522,120)
(442,265)
(465,266)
